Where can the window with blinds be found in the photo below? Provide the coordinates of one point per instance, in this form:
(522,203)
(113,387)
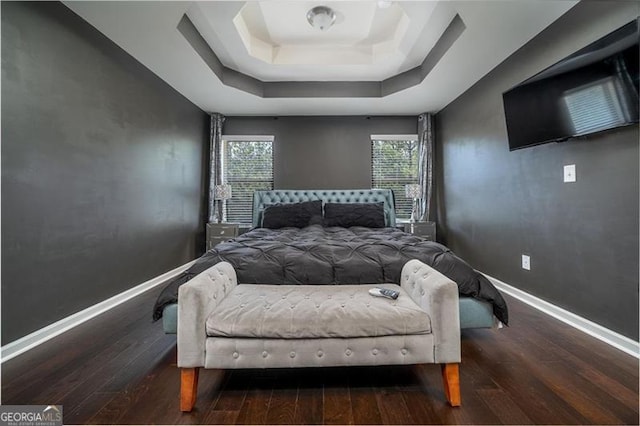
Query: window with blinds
(394,164)
(247,165)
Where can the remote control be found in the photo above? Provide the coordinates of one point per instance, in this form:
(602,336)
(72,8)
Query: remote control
(384,292)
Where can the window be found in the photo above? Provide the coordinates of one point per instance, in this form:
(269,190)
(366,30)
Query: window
(247,165)
(394,164)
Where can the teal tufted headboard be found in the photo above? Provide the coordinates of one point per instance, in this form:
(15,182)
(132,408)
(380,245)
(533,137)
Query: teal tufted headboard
(284,196)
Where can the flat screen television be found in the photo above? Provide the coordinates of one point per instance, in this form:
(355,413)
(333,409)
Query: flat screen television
(593,90)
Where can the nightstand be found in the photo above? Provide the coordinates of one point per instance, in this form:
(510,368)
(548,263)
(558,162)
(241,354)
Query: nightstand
(426,230)
(220,232)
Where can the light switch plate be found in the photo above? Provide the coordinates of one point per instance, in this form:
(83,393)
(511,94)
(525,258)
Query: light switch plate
(570,173)
(526,262)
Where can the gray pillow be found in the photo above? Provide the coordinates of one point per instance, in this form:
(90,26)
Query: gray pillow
(346,215)
(296,215)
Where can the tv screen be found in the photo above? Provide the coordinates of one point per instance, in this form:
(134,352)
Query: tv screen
(594,89)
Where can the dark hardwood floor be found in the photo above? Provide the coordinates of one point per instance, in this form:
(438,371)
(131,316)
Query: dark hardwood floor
(120,368)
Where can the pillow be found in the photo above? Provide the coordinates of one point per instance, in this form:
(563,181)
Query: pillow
(297,215)
(370,215)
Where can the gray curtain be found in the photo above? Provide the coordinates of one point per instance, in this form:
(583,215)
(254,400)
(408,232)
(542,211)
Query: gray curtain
(215,169)
(425,163)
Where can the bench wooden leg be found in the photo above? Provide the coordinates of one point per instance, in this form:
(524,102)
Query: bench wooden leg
(451,381)
(188,388)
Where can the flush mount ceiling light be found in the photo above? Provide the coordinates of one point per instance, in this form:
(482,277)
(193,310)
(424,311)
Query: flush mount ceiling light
(321,17)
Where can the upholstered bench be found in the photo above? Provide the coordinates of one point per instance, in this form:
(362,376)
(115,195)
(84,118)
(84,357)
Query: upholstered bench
(225,325)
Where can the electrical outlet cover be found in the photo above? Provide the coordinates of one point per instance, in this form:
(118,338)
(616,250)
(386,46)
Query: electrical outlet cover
(526,262)
(570,173)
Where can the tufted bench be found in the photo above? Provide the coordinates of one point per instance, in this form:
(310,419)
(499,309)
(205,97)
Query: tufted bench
(225,325)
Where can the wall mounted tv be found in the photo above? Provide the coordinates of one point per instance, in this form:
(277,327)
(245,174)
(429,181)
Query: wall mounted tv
(594,89)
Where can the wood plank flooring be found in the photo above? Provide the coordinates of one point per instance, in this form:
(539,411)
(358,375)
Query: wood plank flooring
(119,368)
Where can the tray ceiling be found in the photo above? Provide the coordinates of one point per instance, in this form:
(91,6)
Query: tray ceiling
(271,42)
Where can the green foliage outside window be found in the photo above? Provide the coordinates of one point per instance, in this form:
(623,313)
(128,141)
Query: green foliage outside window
(394,164)
(248,167)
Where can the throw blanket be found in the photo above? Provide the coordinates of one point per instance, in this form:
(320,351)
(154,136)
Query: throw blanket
(334,255)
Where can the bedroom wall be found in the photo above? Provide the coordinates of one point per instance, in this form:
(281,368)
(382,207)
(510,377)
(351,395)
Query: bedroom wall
(102,169)
(495,205)
(319,152)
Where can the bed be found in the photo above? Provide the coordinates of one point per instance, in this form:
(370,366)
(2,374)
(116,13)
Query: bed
(315,251)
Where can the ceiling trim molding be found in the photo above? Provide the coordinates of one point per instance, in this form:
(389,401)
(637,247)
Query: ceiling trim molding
(321,89)
(416,75)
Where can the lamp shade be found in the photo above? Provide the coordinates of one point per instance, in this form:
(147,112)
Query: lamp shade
(413,191)
(222,192)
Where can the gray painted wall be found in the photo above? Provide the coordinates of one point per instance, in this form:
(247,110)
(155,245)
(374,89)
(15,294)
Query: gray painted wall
(102,169)
(495,205)
(312,152)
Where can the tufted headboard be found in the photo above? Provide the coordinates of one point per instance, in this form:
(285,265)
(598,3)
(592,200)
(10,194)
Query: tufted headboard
(284,196)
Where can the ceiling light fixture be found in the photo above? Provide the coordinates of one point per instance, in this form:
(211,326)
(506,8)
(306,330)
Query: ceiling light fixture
(321,17)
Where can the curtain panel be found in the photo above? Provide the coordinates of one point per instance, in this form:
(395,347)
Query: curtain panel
(215,163)
(425,163)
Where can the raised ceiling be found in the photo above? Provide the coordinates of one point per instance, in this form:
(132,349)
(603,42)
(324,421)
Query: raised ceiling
(273,41)
(270,42)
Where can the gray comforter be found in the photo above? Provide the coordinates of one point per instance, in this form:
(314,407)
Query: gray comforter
(334,255)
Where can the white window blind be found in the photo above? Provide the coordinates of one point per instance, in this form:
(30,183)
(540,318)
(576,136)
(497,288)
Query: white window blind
(394,164)
(247,165)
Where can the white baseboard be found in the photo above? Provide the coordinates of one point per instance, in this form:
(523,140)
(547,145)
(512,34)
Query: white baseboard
(17,347)
(614,339)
